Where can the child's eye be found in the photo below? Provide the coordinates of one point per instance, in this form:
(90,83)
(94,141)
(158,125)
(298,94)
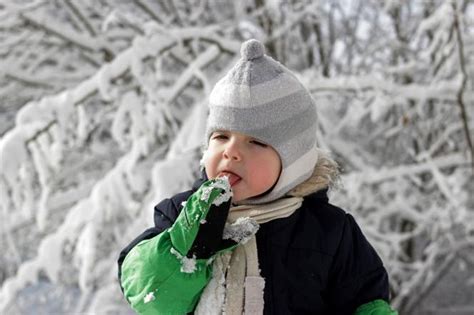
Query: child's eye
(219,136)
(261,144)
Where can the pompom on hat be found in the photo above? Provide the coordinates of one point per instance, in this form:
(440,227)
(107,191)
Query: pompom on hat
(261,98)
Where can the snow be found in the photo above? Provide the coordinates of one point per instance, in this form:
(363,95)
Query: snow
(241,230)
(12,142)
(214,293)
(105,87)
(149,297)
(206,193)
(442,90)
(188,265)
(97,139)
(221,183)
(67,33)
(85,255)
(43,211)
(379,107)
(250,30)
(193,70)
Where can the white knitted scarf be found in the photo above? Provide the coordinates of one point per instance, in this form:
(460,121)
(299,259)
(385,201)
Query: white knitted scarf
(236,286)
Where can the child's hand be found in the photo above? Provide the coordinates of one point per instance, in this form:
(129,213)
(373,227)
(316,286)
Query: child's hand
(199,227)
(161,275)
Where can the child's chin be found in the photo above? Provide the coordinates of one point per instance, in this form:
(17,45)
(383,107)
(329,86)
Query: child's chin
(235,200)
(237,197)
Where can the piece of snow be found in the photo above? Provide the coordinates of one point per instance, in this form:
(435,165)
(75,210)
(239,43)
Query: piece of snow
(224,197)
(149,297)
(83,124)
(43,210)
(380,107)
(219,183)
(223,183)
(85,255)
(241,230)
(104,84)
(188,265)
(206,192)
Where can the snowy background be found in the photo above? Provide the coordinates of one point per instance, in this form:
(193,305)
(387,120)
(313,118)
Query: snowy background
(102,113)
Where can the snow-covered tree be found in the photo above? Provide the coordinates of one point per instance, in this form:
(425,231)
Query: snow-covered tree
(114,96)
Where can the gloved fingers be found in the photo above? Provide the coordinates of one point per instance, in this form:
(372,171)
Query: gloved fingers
(198,228)
(209,236)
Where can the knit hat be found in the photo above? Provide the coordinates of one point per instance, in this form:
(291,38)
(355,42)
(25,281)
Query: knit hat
(261,98)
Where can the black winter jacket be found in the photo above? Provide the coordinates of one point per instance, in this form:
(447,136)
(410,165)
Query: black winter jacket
(317,261)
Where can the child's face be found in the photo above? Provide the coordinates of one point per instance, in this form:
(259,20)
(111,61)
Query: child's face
(252,166)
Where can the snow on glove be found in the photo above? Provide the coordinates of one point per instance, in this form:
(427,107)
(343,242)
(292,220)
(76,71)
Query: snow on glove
(166,274)
(198,229)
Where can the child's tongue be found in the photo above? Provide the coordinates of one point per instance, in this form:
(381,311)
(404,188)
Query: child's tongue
(233,179)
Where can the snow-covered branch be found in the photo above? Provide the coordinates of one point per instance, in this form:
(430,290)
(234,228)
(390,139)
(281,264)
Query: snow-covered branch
(446,91)
(104,110)
(69,35)
(464,80)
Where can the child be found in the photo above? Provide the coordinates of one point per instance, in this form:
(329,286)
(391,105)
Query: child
(256,234)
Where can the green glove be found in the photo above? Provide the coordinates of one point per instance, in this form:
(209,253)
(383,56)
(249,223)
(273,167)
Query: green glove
(198,230)
(377,307)
(160,275)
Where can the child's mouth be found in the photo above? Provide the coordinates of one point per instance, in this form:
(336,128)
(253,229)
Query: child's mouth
(233,178)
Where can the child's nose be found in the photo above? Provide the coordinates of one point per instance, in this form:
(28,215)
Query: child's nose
(233,152)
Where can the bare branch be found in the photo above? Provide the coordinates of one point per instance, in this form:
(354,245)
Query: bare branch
(440,273)
(28,80)
(456,159)
(78,13)
(146,8)
(445,91)
(462,88)
(79,40)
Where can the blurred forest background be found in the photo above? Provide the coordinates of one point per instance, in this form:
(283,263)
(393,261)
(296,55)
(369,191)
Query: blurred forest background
(102,114)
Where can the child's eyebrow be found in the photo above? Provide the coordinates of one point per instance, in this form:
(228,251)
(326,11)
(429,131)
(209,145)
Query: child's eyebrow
(220,131)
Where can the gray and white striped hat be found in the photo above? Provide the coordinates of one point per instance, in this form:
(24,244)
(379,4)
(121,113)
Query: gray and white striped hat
(261,98)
